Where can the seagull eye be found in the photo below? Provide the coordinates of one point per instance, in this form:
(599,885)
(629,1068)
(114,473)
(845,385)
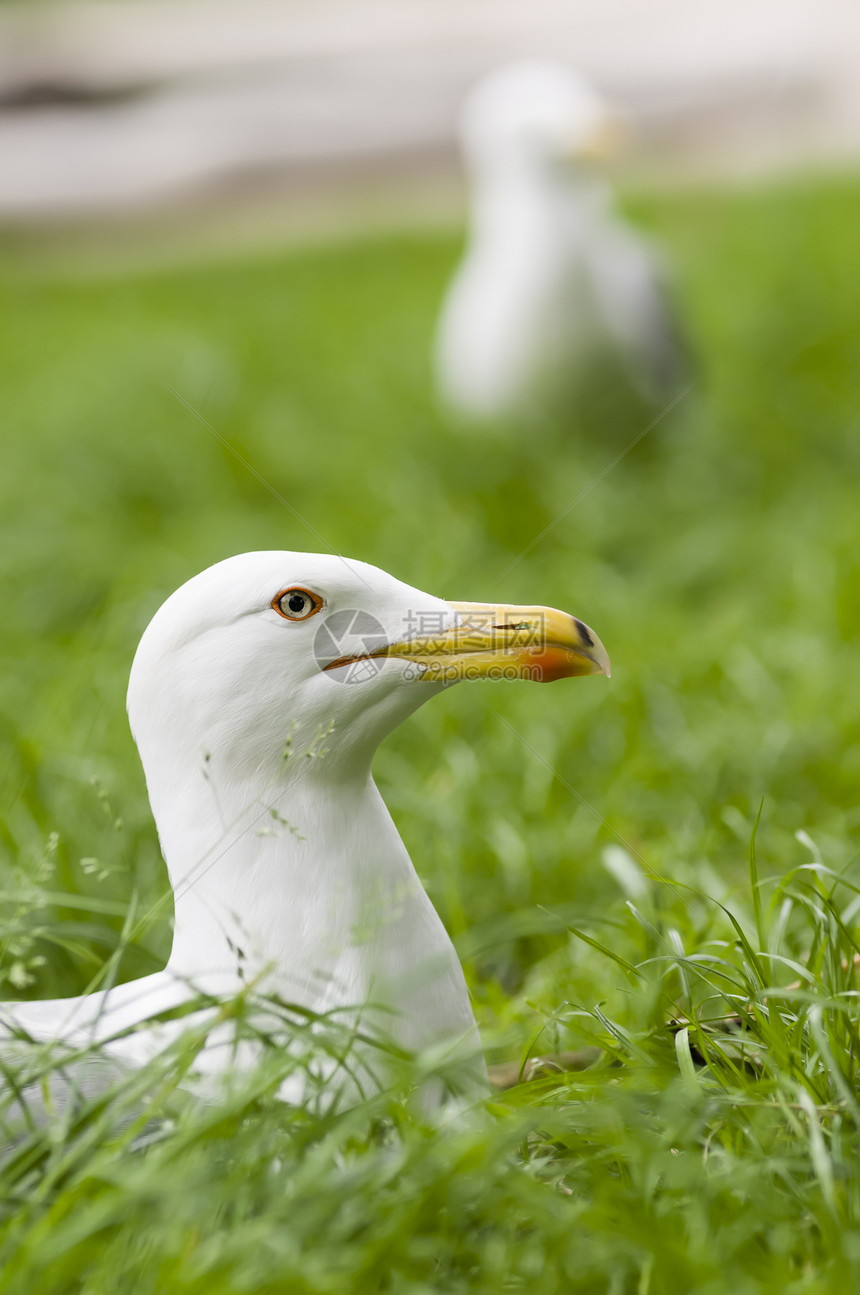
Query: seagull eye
(296,604)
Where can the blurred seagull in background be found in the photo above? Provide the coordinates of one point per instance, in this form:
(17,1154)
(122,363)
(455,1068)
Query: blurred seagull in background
(553,278)
(258,695)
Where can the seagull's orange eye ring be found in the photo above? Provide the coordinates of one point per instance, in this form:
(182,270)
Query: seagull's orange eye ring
(297,604)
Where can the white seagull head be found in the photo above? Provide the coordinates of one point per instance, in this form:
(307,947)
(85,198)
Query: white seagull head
(271,648)
(534,116)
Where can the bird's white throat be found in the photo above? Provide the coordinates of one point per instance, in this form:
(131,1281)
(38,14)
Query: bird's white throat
(297,879)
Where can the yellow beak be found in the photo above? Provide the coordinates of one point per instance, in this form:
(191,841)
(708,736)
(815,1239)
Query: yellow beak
(608,138)
(499,641)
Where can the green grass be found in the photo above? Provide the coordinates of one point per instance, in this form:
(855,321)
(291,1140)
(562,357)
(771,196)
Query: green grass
(715,1144)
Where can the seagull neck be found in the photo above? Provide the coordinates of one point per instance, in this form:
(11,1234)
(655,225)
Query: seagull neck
(520,202)
(274,874)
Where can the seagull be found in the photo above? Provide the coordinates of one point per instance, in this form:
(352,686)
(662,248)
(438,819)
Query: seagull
(553,279)
(257,697)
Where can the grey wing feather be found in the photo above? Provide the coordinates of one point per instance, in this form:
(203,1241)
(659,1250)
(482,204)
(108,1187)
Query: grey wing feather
(636,301)
(37,1084)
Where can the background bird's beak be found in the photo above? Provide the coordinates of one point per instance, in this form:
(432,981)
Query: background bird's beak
(499,641)
(607,139)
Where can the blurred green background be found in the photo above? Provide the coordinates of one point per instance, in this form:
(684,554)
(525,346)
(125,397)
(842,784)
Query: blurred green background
(144,415)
